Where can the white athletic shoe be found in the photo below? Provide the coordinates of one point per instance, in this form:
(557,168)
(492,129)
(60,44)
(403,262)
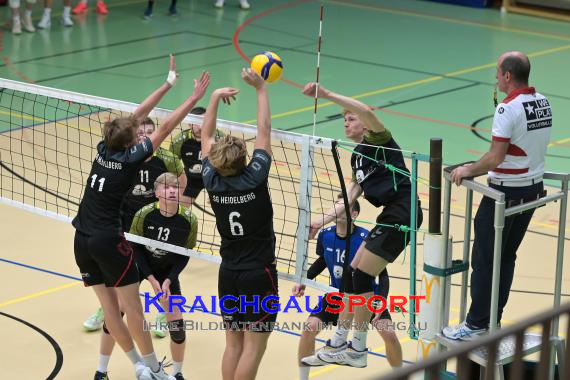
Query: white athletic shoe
(16,26)
(219,4)
(28,24)
(462,331)
(45,22)
(66,20)
(314,361)
(140,369)
(243,4)
(94,322)
(348,356)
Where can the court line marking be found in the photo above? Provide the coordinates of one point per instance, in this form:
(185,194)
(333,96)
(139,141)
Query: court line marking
(80,282)
(559,142)
(411,84)
(450,20)
(39,294)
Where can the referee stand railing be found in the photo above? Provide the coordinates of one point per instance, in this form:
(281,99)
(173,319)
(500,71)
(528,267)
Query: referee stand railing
(532,342)
(433,368)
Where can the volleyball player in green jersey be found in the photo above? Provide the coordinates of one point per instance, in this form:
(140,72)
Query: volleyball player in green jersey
(187,145)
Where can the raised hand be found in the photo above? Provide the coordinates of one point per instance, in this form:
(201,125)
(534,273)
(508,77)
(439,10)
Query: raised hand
(201,85)
(172,74)
(252,78)
(311,88)
(227,94)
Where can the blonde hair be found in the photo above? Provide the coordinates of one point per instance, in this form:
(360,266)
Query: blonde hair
(120,133)
(166,179)
(228,156)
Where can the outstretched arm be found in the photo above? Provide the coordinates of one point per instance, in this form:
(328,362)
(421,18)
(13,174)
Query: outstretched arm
(364,112)
(226,94)
(160,134)
(153,99)
(263,138)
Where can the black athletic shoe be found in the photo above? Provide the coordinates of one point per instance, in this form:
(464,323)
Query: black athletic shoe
(101,376)
(179,376)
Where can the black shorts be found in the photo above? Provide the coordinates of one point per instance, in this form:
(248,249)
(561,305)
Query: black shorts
(254,285)
(160,276)
(332,318)
(389,242)
(193,187)
(105,260)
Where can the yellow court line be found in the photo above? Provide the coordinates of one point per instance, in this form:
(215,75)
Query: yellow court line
(40,293)
(21,115)
(411,84)
(558,142)
(450,20)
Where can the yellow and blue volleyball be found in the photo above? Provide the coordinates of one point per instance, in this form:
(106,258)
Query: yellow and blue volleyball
(268,65)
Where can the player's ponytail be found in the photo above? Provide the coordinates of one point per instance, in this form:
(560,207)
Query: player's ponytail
(228,156)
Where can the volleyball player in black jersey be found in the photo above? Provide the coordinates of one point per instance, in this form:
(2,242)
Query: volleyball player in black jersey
(187,145)
(104,257)
(239,196)
(381,188)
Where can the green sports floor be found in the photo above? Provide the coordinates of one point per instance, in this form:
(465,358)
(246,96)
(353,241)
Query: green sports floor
(429,67)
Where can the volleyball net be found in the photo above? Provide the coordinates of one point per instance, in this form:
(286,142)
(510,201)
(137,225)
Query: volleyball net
(47,145)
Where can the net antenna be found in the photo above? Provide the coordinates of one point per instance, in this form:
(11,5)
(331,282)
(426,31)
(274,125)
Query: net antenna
(318,68)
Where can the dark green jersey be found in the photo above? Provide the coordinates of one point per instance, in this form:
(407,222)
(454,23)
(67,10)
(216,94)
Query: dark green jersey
(180,229)
(189,150)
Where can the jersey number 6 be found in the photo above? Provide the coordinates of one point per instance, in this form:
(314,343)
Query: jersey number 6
(235,227)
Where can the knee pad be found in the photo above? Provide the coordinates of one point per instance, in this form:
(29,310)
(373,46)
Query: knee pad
(177,333)
(362,282)
(14,3)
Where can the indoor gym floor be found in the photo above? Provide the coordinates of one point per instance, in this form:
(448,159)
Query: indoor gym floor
(429,66)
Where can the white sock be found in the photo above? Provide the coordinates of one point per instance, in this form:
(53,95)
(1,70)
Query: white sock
(16,18)
(103,363)
(28,14)
(151,362)
(176,367)
(134,356)
(47,12)
(359,340)
(66,11)
(304,372)
(339,337)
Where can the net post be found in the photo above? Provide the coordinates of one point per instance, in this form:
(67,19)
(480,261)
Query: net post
(304,218)
(413,332)
(435,173)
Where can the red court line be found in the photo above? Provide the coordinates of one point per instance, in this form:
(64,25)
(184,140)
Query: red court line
(258,16)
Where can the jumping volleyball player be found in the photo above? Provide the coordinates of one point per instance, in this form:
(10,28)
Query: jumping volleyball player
(105,259)
(331,252)
(240,199)
(381,188)
(165,221)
